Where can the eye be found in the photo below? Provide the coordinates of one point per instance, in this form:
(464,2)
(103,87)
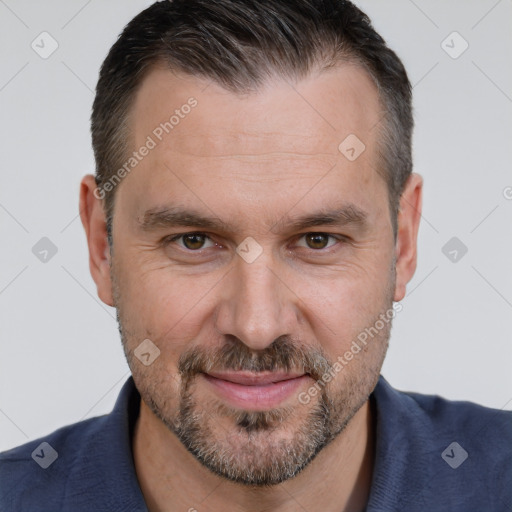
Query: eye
(317,241)
(192,241)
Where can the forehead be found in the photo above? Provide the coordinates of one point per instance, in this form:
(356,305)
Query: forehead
(254,145)
(310,115)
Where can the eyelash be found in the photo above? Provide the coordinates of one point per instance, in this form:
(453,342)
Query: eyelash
(173,238)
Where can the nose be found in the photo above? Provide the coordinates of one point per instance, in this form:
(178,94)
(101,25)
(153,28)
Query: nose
(257,304)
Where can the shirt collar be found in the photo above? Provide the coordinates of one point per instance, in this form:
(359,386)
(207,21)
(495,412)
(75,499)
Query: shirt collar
(115,477)
(403,462)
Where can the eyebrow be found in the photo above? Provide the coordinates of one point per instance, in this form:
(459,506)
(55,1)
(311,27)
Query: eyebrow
(165,217)
(345,215)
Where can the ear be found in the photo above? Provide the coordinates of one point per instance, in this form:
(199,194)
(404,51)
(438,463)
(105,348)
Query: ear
(95,225)
(408,223)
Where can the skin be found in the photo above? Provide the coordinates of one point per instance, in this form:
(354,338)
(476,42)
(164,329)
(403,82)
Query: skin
(256,162)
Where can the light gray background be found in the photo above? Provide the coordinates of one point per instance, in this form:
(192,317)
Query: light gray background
(61,358)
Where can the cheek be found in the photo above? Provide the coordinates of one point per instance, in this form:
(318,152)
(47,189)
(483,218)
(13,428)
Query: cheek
(347,294)
(168,308)
(340,308)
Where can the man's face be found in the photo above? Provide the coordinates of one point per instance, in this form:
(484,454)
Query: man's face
(317,270)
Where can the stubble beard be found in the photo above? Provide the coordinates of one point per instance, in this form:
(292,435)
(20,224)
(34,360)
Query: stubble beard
(256,448)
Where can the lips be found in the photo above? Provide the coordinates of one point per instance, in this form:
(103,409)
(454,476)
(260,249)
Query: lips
(255,391)
(254,379)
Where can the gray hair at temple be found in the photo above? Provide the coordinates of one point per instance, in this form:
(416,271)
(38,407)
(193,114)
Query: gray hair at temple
(240,44)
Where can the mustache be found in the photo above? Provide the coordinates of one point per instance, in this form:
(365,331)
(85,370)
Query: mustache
(284,354)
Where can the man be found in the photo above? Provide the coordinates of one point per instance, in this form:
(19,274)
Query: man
(253,219)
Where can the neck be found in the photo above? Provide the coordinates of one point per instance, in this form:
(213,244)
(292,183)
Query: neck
(171,479)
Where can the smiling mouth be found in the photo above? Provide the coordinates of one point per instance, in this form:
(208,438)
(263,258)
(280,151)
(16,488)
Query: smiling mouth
(255,391)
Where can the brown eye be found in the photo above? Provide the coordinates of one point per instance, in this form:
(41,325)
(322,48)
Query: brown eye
(317,240)
(194,241)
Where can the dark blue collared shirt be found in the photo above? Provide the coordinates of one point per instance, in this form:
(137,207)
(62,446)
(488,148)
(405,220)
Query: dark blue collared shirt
(432,455)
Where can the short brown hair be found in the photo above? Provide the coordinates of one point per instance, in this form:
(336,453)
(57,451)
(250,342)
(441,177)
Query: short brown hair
(239,44)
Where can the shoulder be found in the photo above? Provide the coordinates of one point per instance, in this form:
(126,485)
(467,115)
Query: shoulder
(81,467)
(442,413)
(454,454)
(42,467)
(469,430)
(490,426)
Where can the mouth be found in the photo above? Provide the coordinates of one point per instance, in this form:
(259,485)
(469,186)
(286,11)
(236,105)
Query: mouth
(255,391)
